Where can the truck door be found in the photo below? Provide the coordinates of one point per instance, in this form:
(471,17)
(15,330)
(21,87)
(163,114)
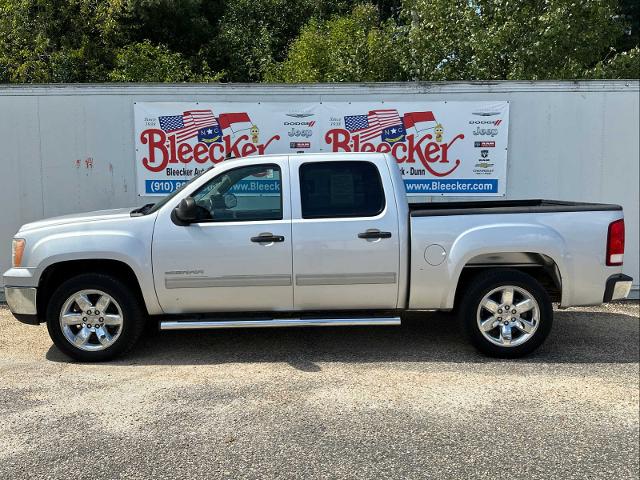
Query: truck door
(238,255)
(345,234)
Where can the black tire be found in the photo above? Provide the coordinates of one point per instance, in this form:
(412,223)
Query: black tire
(133,317)
(482,285)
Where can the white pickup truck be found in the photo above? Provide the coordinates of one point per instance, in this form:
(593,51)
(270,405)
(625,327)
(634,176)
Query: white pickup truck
(312,240)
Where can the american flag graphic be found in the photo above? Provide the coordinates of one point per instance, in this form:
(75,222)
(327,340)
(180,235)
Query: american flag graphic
(371,125)
(187,125)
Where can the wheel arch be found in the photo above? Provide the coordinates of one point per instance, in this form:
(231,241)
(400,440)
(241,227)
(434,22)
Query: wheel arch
(542,267)
(56,273)
(536,249)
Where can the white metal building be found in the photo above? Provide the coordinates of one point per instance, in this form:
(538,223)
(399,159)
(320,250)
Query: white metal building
(70,148)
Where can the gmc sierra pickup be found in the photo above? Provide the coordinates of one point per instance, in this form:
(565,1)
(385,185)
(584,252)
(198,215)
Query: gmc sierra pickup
(312,240)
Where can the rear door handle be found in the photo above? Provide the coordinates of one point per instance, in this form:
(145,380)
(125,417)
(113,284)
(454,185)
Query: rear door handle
(267,238)
(374,234)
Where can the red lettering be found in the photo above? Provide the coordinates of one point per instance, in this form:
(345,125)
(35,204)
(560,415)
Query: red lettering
(341,140)
(396,148)
(430,152)
(338,139)
(172,149)
(446,146)
(248,149)
(356,143)
(212,148)
(156,139)
(367,147)
(232,149)
(183,150)
(414,148)
(198,150)
(442,148)
(263,147)
(383,147)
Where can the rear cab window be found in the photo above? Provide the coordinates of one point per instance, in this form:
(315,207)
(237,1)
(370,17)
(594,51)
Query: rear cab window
(340,189)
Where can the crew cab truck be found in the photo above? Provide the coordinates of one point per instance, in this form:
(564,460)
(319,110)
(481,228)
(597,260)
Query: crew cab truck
(312,240)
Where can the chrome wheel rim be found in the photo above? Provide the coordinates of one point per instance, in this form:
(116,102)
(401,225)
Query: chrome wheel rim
(508,316)
(91,320)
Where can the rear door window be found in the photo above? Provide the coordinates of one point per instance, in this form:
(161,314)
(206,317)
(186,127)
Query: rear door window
(340,189)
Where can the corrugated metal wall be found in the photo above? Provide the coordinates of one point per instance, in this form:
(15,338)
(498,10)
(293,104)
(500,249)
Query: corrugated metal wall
(69,148)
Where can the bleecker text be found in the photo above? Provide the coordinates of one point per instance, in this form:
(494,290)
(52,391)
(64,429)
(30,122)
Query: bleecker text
(432,155)
(164,150)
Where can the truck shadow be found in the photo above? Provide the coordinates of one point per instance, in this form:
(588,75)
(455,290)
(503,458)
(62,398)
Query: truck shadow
(577,337)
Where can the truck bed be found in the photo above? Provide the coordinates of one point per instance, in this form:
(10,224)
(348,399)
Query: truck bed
(504,206)
(569,236)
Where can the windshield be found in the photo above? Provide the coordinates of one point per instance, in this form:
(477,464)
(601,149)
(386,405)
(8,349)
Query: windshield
(157,206)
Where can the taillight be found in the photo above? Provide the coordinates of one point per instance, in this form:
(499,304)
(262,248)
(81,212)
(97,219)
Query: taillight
(615,243)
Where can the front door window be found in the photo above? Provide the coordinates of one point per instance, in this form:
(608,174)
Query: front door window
(246,194)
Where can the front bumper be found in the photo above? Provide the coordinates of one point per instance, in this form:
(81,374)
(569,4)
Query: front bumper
(22,303)
(618,287)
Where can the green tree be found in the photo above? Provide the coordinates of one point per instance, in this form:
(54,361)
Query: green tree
(352,48)
(503,39)
(188,27)
(254,34)
(628,13)
(144,62)
(84,40)
(621,65)
(313,40)
(58,40)
(463,40)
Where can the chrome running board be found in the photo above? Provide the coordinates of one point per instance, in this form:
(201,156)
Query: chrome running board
(276,322)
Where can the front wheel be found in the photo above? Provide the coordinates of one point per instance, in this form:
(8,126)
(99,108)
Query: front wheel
(506,313)
(94,317)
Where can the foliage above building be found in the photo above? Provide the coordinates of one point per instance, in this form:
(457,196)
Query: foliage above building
(316,41)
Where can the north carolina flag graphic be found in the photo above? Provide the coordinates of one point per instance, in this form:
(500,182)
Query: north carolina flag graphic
(236,122)
(419,120)
(394,134)
(210,134)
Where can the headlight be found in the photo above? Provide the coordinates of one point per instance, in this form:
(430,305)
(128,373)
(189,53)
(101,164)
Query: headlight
(17,250)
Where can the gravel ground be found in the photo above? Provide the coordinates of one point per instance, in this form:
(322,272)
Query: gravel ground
(371,402)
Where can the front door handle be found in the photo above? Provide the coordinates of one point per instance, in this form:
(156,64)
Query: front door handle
(374,234)
(267,238)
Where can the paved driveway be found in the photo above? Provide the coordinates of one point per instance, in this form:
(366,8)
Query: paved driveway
(380,402)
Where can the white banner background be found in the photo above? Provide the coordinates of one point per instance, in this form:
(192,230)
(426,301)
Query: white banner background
(442,148)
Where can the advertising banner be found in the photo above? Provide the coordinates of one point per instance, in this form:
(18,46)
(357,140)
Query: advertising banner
(441,148)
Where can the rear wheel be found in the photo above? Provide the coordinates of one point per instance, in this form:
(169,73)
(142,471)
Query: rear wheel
(506,313)
(94,317)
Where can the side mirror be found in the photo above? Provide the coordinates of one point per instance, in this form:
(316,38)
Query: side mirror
(186,211)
